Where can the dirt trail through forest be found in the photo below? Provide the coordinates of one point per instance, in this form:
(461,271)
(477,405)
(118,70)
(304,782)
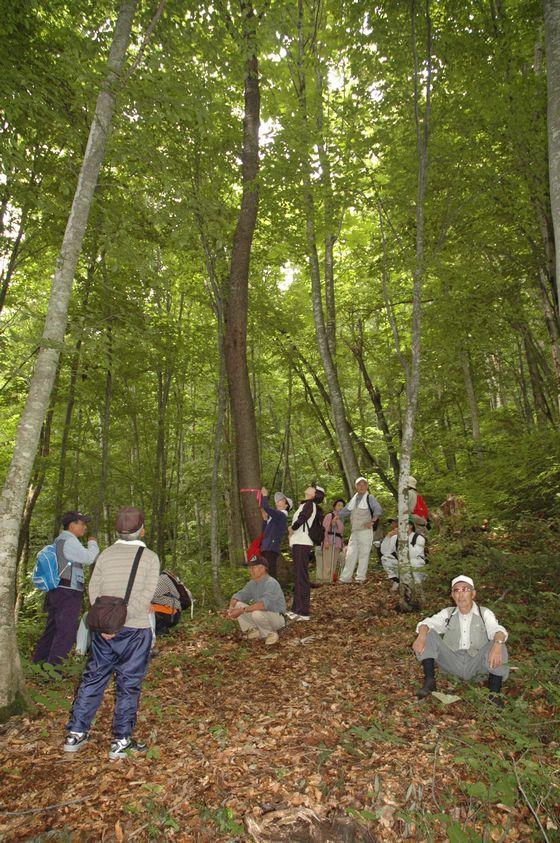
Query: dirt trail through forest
(326,720)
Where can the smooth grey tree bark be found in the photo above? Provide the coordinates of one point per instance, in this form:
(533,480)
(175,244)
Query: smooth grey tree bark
(552,41)
(15,487)
(410,597)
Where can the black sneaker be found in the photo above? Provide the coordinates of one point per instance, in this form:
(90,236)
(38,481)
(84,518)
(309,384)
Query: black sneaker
(121,747)
(75,741)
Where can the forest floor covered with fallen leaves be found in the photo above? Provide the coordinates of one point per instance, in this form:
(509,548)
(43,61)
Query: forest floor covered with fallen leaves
(317,738)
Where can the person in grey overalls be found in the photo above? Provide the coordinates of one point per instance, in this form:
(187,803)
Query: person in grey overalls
(465,640)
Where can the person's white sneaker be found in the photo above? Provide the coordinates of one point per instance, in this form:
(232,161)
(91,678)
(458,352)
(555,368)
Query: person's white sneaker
(75,741)
(302,618)
(122,747)
(252,634)
(271,638)
(291,615)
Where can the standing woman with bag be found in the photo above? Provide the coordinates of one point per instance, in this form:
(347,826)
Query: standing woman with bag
(301,545)
(332,543)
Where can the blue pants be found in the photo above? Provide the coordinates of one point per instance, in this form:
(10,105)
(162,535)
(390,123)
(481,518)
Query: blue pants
(63,606)
(127,655)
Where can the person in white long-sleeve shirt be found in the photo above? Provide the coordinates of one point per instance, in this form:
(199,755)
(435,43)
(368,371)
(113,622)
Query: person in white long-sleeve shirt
(465,640)
(364,511)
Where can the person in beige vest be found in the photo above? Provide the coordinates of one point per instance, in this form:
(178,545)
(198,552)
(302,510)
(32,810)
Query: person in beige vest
(364,511)
(126,653)
(465,640)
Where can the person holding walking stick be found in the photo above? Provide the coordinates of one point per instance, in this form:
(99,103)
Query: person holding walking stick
(327,558)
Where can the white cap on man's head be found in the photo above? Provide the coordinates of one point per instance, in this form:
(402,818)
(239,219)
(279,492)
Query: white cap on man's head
(462,578)
(359,480)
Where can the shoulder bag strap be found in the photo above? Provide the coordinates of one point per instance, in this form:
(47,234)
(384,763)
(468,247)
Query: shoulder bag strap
(132,576)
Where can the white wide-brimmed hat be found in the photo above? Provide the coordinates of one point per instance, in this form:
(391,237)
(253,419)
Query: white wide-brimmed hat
(280,496)
(411,482)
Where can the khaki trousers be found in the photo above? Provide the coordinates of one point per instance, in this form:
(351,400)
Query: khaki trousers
(265,622)
(326,562)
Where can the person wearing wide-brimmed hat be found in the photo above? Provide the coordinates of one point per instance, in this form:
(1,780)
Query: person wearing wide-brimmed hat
(259,606)
(276,527)
(416,505)
(465,640)
(127,652)
(364,511)
(64,603)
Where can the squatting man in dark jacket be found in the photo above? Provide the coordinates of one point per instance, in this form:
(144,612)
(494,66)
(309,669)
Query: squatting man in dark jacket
(465,640)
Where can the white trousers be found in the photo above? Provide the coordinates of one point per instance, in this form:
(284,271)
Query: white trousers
(358,551)
(390,566)
(265,622)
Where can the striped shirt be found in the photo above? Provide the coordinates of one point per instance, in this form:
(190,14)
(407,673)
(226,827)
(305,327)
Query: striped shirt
(166,593)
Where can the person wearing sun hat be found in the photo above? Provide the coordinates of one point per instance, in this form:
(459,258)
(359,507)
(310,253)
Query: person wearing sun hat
(276,526)
(465,640)
(364,511)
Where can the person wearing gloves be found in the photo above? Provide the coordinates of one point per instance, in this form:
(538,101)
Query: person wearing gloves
(364,511)
(465,640)
(301,545)
(259,607)
(64,603)
(275,527)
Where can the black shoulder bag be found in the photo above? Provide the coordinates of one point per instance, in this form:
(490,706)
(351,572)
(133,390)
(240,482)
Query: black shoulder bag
(108,614)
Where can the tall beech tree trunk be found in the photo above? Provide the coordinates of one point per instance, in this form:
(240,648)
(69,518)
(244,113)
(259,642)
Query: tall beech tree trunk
(15,487)
(410,598)
(552,37)
(243,409)
(221,402)
(326,347)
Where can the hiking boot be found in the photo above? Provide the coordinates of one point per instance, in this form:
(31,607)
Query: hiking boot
(75,741)
(271,638)
(121,747)
(495,687)
(428,666)
(253,634)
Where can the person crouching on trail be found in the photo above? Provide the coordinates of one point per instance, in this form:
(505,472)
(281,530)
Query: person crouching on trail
(301,544)
(126,653)
(259,607)
(275,528)
(364,511)
(465,640)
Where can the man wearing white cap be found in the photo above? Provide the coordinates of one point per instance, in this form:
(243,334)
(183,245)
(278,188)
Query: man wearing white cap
(364,511)
(465,640)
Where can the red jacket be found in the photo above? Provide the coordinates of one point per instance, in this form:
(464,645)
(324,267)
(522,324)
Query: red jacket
(421,508)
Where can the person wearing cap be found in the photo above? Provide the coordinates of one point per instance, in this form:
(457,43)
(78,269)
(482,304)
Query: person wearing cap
(465,640)
(417,509)
(364,511)
(64,603)
(125,654)
(328,554)
(260,605)
(275,527)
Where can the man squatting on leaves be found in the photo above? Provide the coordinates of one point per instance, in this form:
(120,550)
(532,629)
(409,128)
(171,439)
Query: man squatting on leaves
(473,642)
(364,511)
(259,607)
(125,654)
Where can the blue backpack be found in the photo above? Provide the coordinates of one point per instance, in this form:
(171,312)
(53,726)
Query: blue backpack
(46,573)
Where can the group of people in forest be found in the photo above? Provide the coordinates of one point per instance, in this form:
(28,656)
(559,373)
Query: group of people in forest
(464,639)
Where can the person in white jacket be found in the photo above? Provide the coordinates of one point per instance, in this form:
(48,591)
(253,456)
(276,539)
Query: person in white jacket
(301,545)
